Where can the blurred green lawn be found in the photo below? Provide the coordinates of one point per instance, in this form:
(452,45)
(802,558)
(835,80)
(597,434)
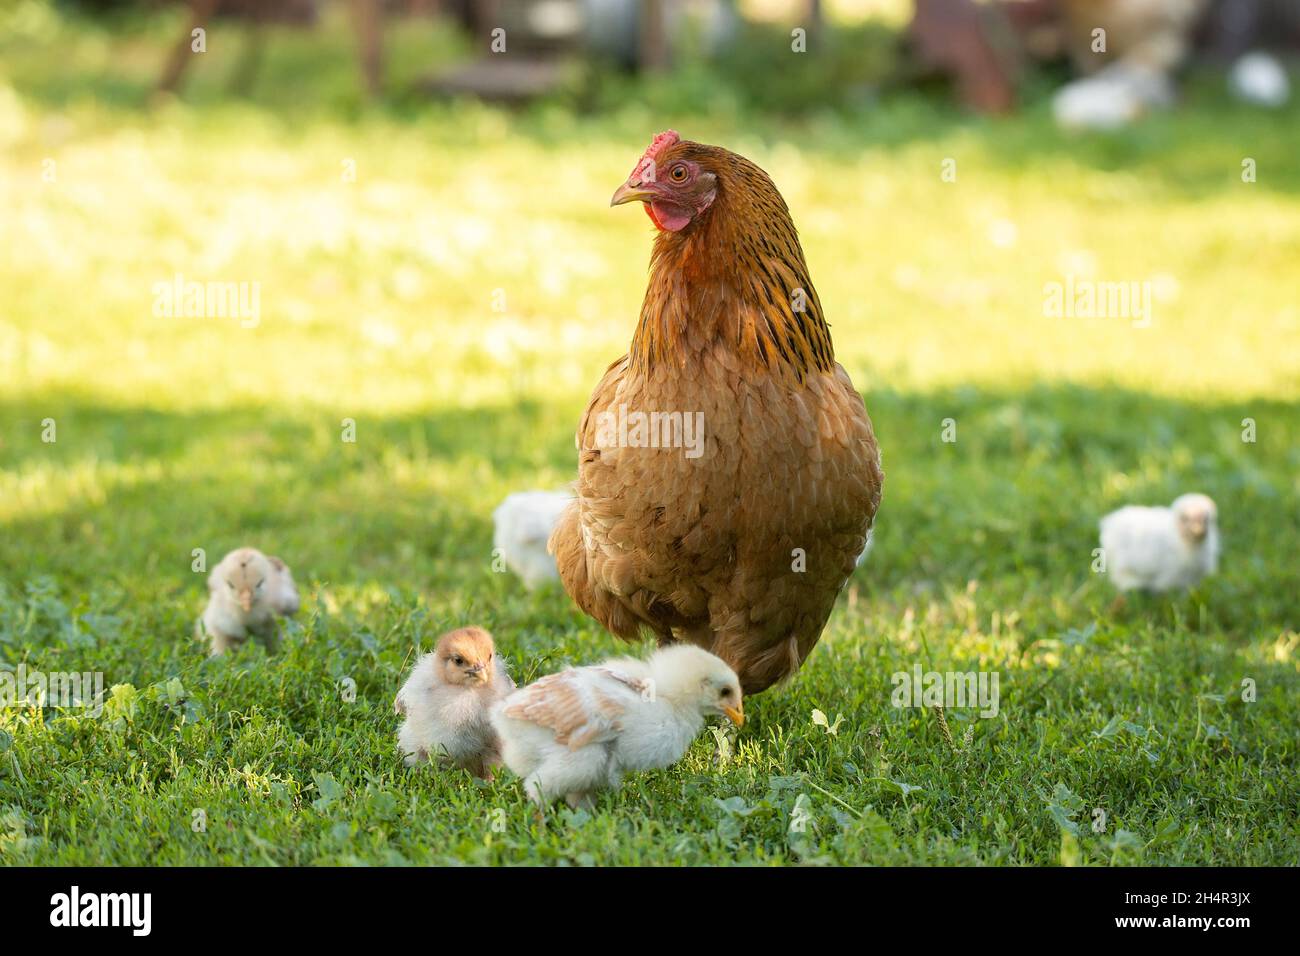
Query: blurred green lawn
(459,299)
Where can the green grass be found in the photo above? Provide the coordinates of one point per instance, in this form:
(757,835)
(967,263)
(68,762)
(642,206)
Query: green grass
(378,305)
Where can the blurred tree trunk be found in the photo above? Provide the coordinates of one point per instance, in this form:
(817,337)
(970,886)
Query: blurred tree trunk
(816,23)
(487,15)
(652,51)
(200,16)
(367,20)
(244,77)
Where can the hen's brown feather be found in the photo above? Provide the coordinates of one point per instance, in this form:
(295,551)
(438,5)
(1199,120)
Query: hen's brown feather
(704,549)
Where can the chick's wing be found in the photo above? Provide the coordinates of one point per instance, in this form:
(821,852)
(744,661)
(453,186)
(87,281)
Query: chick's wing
(581,706)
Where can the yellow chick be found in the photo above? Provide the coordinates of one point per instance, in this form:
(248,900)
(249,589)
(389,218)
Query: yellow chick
(446,702)
(246,592)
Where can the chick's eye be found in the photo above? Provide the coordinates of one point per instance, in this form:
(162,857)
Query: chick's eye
(726,692)
(678,174)
(459,660)
(230,584)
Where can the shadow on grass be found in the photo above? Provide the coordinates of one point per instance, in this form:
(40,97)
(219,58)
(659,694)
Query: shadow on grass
(1012,502)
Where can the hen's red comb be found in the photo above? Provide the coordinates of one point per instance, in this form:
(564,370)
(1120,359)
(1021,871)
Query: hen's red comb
(661,142)
(645,166)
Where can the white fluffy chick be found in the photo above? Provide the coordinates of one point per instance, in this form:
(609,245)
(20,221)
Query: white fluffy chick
(446,702)
(246,592)
(577,732)
(1160,549)
(523,524)
(1112,98)
(1258,78)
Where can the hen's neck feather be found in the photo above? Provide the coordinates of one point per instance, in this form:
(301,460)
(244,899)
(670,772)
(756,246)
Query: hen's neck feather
(732,280)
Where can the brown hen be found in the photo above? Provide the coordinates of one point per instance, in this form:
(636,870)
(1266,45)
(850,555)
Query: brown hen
(738,539)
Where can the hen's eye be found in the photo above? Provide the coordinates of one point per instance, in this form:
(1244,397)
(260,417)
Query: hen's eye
(678,174)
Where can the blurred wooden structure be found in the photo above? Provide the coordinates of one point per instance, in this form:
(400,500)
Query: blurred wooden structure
(526,45)
(542,36)
(973,43)
(256,15)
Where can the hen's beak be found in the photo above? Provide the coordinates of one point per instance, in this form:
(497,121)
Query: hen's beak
(629,193)
(736,715)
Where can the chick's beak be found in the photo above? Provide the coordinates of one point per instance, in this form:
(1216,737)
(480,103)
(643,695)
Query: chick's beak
(631,193)
(736,715)
(246,600)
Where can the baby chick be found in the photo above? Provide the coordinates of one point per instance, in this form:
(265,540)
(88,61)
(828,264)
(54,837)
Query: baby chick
(523,523)
(1160,549)
(1113,97)
(246,592)
(575,733)
(446,701)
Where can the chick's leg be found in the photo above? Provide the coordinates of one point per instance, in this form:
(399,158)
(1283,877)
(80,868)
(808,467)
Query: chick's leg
(491,760)
(222,642)
(579,800)
(270,638)
(579,772)
(533,788)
